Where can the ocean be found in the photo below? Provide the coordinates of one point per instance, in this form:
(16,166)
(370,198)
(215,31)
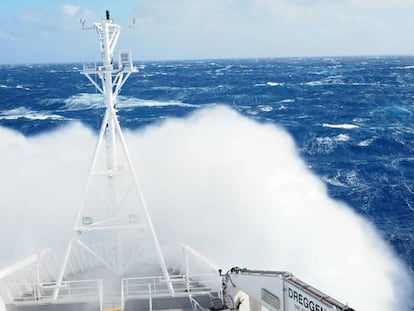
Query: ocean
(350,118)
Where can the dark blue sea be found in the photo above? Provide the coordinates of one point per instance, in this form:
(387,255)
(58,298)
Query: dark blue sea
(351,117)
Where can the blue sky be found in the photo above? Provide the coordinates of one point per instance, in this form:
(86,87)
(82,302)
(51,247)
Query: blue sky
(49,30)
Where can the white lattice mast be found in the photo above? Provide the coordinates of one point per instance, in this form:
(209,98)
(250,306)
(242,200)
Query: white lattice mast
(112,178)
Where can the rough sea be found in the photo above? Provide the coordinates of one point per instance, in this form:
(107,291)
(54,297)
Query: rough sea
(350,117)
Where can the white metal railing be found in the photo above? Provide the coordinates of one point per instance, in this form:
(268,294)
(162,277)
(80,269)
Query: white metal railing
(150,297)
(196,306)
(89,66)
(79,290)
(156,286)
(34,280)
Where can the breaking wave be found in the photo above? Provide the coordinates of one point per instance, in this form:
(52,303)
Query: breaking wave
(90,101)
(234,189)
(21,112)
(341,126)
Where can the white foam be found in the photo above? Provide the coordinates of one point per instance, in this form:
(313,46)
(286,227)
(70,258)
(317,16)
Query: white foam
(270,84)
(326,81)
(133,102)
(234,189)
(90,101)
(315,83)
(21,112)
(22,87)
(366,143)
(333,181)
(266,108)
(274,84)
(287,101)
(341,126)
(331,142)
(342,137)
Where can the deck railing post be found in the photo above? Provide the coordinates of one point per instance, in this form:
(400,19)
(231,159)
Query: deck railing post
(149,297)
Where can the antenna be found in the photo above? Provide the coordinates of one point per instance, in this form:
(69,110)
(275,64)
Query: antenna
(134,20)
(83,22)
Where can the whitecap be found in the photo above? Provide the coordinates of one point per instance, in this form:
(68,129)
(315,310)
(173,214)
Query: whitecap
(365,143)
(269,83)
(274,84)
(326,81)
(19,86)
(83,101)
(325,145)
(89,101)
(220,70)
(134,102)
(266,108)
(342,137)
(287,101)
(314,83)
(251,112)
(341,126)
(333,181)
(21,112)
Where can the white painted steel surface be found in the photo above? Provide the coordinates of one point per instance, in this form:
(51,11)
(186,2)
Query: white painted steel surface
(275,290)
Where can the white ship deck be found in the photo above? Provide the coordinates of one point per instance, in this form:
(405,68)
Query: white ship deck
(30,284)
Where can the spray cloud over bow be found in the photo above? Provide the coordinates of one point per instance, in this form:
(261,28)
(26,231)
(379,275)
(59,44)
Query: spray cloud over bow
(233,189)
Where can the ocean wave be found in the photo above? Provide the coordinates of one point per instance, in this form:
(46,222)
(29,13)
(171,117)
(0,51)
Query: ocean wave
(342,137)
(19,86)
(90,101)
(220,70)
(22,87)
(329,140)
(221,88)
(315,83)
(333,140)
(21,112)
(335,80)
(83,101)
(134,102)
(287,101)
(366,142)
(325,145)
(266,108)
(333,181)
(340,126)
(274,84)
(344,179)
(269,83)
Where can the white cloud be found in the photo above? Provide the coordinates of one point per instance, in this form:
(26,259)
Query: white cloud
(183,29)
(70,9)
(31,17)
(381,4)
(7,36)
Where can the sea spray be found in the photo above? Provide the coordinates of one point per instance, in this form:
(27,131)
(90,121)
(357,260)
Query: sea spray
(239,192)
(234,189)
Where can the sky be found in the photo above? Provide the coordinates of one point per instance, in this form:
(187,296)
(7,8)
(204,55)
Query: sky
(35,31)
